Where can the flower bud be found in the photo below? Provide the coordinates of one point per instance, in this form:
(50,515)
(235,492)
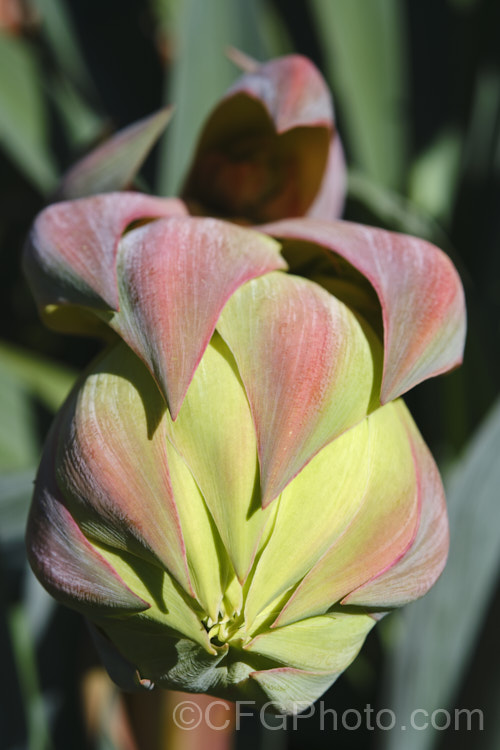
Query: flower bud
(270,149)
(234,492)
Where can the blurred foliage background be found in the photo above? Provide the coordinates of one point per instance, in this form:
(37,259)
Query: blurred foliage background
(416,87)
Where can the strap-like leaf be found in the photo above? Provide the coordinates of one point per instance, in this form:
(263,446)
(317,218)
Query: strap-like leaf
(114,164)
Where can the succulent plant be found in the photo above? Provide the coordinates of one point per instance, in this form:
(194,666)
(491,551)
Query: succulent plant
(235,492)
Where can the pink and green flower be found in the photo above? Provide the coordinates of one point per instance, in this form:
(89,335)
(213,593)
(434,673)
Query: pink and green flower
(235,492)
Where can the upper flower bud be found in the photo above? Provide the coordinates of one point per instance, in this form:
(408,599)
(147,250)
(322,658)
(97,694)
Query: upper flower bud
(270,149)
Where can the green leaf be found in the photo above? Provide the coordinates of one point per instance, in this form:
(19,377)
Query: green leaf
(70,85)
(24,379)
(27,673)
(365,54)
(434,175)
(50,382)
(22,113)
(439,633)
(57,28)
(202,31)
(393,210)
(114,164)
(81,123)
(18,442)
(481,150)
(16,489)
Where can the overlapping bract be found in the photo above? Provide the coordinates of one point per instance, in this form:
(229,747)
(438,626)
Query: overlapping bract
(234,470)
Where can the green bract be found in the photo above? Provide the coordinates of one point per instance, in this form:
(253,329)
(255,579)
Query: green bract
(234,492)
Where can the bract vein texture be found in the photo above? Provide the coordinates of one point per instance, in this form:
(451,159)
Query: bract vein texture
(234,492)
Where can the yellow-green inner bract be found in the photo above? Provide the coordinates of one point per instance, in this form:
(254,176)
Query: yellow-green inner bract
(250,602)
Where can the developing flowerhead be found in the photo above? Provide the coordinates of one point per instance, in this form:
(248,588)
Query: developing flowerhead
(234,492)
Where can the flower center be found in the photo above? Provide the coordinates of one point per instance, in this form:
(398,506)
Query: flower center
(227,629)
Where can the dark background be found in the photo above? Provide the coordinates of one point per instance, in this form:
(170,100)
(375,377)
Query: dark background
(444,184)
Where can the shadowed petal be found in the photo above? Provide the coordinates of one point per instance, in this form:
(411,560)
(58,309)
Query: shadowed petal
(263,152)
(175,277)
(70,255)
(414,574)
(307,366)
(329,202)
(66,563)
(418,287)
(112,463)
(113,164)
